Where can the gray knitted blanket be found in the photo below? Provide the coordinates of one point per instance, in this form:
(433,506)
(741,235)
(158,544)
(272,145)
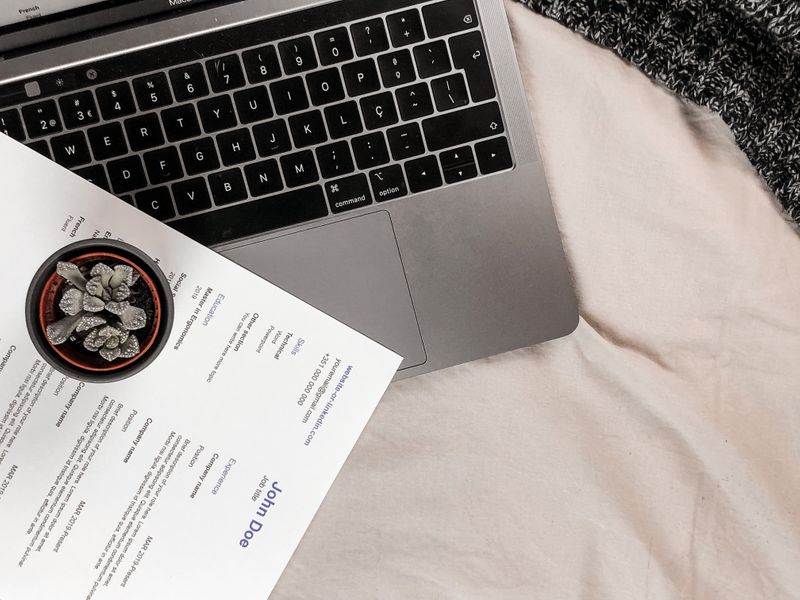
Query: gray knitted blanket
(740,58)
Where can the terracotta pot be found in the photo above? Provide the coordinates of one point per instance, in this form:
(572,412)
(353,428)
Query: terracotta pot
(73,359)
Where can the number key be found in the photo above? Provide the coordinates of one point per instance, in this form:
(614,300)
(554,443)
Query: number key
(11,124)
(333,46)
(189,82)
(297,55)
(152,91)
(225,73)
(41,118)
(115,100)
(78,110)
(261,64)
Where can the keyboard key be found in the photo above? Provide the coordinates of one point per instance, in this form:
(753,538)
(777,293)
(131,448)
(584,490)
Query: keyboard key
(361,77)
(325,86)
(225,73)
(343,119)
(126,174)
(449,16)
(450,92)
(299,168)
(379,110)
(388,183)
(348,193)
(11,124)
(127,198)
(263,177)
(107,141)
(199,156)
(191,195)
(94,174)
(289,95)
(152,91)
(253,104)
(396,68)
(494,155)
(405,141)
(163,165)
(272,137)
(78,110)
(297,55)
(115,100)
(423,174)
(333,46)
(71,150)
(335,160)
(432,59)
(414,101)
(41,147)
(369,37)
(370,150)
(307,129)
(458,164)
(144,132)
(236,147)
(227,187)
(41,119)
(405,27)
(257,216)
(463,126)
(261,64)
(469,54)
(180,123)
(189,82)
(216,113)
(156,202)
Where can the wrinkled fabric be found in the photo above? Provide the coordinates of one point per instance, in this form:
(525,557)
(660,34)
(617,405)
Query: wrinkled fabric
(737,57)
(653,453)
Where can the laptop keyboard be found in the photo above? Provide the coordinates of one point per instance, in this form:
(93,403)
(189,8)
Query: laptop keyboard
(266,136)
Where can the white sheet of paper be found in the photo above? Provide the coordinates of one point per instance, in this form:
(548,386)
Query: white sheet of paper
(144,488)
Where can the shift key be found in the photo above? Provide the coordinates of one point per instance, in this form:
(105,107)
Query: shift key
(463,126)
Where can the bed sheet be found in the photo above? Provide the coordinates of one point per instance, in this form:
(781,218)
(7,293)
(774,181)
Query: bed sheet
(653,453)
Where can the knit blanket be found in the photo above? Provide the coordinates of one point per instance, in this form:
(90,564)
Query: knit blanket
(739,58)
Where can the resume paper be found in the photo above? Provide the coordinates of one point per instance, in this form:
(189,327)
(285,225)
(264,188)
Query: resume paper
(196,477)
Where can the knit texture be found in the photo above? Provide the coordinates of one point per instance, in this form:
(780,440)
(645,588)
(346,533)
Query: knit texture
(740,58)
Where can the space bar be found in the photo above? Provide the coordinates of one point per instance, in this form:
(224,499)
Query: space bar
(256,216)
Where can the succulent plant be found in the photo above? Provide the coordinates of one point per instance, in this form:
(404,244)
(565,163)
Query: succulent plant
(99,309)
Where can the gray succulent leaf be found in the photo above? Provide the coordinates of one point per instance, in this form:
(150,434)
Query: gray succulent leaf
(130,347)
(72,301)
(59,332)
(110,353)
(121,292)
(89,321)
(71,273)
(122,274)
(103,271)
(92,342)
(132,318)
(93,303)
(95,287)
(117,308)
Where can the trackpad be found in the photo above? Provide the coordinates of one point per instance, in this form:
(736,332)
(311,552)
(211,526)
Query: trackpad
(350,270)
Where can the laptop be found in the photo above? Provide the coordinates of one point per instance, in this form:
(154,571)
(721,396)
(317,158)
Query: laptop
(373,157)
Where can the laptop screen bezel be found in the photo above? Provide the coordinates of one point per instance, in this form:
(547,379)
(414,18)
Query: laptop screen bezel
(16,37)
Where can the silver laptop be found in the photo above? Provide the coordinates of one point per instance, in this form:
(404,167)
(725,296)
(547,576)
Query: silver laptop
(373,157)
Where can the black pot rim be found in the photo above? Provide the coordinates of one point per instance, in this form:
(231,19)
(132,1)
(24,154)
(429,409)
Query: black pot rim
(137,257)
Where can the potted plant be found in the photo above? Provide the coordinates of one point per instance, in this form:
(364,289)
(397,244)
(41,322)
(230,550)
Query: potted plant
(99,310)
